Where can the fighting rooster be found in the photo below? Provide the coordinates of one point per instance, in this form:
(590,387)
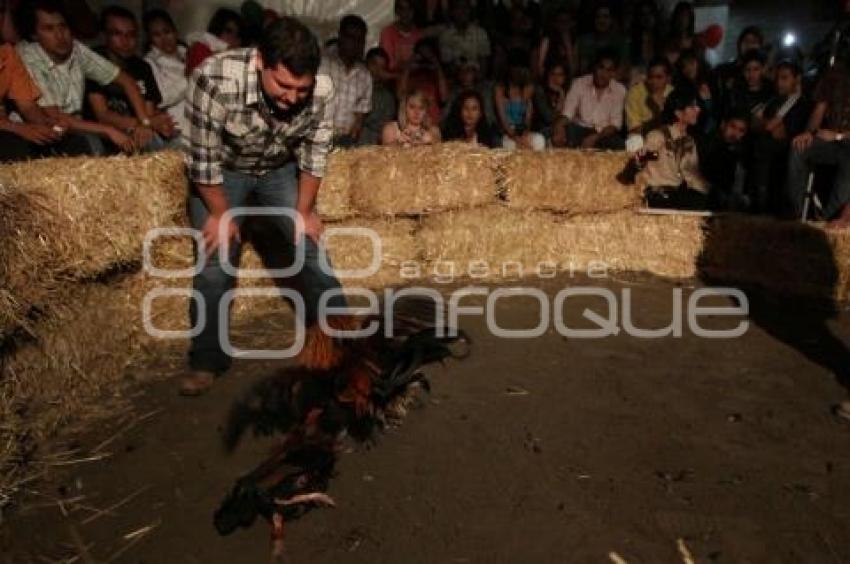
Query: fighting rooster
(342,386)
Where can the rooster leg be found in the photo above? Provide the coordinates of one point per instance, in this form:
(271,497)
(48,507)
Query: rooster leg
(277,537)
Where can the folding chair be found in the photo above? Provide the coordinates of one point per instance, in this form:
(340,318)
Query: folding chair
(811,199)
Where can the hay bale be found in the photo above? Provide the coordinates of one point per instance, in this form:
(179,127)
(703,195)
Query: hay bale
(74,364)
(515,242)
(420,180)
(787,257)
(334,198)
(66,220)
(568,181)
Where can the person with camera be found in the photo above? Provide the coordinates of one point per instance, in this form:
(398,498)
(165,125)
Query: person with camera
(669,159)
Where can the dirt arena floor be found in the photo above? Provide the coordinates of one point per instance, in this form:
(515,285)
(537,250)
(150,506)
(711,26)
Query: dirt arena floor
(531,451)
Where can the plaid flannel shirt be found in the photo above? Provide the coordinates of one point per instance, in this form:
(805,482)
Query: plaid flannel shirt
(231,126)
(352,90)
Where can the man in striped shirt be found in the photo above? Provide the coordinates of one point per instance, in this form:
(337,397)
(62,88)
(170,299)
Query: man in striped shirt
(260,126)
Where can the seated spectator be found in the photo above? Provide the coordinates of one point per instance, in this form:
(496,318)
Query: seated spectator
(751,39)
(670,158)
(549,97)
(514,98)
(383,106)
(646,38)
(223,32)
(593,111)
(522,34)
(463,39)
(682,24)
(784,117)
(604,37)
(467,121)
(826,142)
(721,162)
(692,73)
(352,81)
(469,78)
(60,66)
(414,125)
(167,59)
(751,90)
(109,104)
(557,47)
(645,100)
(400,37)
(425,73)
(35,135)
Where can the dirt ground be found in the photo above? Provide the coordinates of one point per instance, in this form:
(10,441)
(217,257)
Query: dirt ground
(533,451)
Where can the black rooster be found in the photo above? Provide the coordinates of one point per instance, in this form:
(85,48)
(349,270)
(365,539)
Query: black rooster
(343,386)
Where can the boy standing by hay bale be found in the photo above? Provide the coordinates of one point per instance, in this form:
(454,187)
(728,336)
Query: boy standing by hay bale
(261,124)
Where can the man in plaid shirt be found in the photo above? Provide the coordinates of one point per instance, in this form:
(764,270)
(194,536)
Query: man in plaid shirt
(261,123)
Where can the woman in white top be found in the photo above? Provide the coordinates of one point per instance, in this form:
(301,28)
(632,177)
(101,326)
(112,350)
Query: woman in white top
(167,58)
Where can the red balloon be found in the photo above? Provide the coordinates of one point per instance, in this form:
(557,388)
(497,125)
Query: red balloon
(712,35)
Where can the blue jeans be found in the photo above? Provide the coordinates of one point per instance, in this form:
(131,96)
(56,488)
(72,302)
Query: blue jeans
(800,163)
(278,188)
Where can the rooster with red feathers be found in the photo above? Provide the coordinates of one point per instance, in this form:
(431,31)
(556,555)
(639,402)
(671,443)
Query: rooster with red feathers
(342,386)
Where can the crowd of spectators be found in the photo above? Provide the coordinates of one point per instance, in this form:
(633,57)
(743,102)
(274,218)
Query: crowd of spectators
(743,134)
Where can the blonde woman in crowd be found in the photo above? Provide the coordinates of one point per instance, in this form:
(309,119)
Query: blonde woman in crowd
(414,126)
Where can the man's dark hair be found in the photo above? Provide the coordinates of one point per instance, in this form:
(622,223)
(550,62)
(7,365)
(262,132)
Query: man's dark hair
(606,54)
(662,62)
(26,18)
(756,55)
(288,42)
(220,19)
(790,65)
(355,22)
(119,12)
(678,100)
(376,52)
(736,113)
(749,30)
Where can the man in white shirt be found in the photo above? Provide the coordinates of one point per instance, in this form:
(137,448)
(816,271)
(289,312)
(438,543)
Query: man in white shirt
(593,110)
(352,80)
